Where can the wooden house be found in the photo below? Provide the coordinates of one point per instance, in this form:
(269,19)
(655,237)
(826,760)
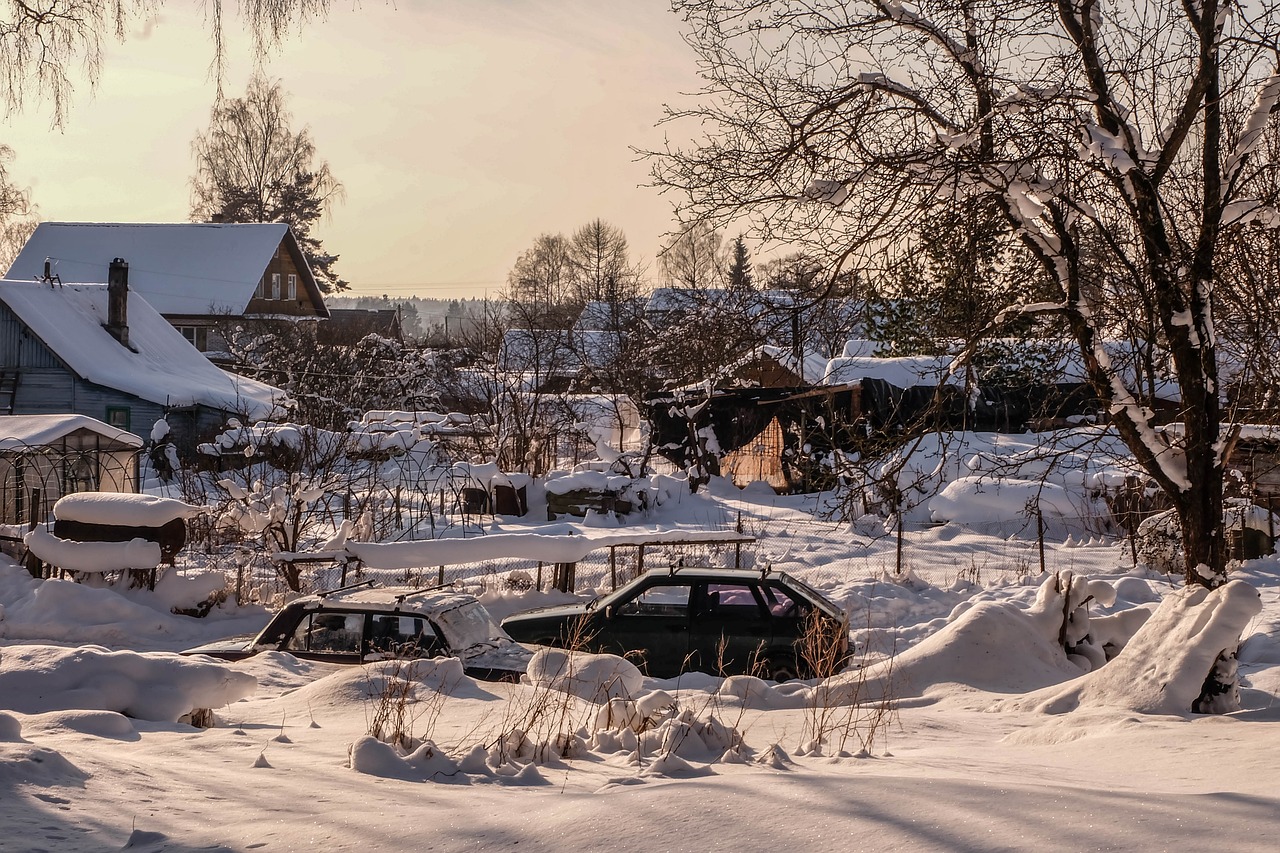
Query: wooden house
(43,457)
(198,276)
(101,350)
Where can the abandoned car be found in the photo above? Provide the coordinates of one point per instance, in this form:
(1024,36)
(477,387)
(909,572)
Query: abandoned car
(364,623)
(719,621)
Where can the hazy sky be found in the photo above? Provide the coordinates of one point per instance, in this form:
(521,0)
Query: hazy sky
(462,129)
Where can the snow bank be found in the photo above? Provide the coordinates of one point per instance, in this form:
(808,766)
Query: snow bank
(94,557)
(1164,665)
(149,686)
(122,509)
(596,678)
(976,499)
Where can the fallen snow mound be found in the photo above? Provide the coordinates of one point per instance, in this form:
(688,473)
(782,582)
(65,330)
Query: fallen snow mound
(93,557)
(970,500)
(1163,667)
(156,686)
(991,646)
(596,678)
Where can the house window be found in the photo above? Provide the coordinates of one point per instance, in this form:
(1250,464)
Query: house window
(291,289)
(197,336)
(275,285)
(261,292)
(118,416)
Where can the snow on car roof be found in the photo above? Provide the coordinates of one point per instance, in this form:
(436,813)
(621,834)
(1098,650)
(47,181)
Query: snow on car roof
(387,598)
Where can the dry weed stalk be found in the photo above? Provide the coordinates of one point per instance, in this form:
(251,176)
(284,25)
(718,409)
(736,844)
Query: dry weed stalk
(399,709)
(840,711)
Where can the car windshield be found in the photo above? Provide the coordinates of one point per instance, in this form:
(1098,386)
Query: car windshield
(467,625)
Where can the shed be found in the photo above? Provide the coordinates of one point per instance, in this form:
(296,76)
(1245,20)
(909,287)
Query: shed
(43,457)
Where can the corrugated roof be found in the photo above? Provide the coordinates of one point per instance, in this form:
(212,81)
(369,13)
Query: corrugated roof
(181,268)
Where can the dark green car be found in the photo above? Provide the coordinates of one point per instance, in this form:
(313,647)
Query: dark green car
(719,621)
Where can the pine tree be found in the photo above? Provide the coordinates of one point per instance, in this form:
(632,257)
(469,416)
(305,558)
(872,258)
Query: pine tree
(740,277)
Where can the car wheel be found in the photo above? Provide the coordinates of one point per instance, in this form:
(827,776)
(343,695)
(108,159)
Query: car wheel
(779,668)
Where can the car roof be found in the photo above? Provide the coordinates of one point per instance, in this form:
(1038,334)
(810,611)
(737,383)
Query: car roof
(717,574)
(388,599)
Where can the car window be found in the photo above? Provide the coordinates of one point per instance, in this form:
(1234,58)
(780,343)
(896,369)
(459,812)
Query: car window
(468,624)
(661,600)
(402,635)
(329,633)
(730,599)
(783,603)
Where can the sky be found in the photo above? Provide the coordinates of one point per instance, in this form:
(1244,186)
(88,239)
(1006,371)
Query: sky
(461,129)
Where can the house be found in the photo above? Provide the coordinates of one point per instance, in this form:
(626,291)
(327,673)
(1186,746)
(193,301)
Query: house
(198,276)
(43,457)
(101,350)
(350,325)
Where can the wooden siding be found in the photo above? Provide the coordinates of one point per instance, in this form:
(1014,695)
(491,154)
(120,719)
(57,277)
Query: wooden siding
(19,348)
(284,265)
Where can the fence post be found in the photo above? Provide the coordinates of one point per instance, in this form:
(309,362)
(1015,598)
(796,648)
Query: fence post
(440,577)
(640,561)
(539,584)
(1040,534)
(613,567)
(33,562)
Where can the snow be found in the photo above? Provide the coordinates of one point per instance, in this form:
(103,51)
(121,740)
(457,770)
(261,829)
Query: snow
(904,372)
(122,509)
(155,686)
(160,365)
(36,430)
(186,268)
(92,556)
(973,729)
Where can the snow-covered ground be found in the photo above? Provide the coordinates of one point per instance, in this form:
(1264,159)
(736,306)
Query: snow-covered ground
(973,730)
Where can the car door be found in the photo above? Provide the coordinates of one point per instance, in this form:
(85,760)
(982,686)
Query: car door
(652,628)
(729,629)
(328,635)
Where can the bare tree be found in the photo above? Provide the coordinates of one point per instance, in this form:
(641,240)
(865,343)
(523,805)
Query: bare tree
(18,216)
(541,281)
(1113,138)
(600,264)
(252,167)
(694,258)
(46,44)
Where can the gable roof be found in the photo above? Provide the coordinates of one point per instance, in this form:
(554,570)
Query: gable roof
(18,431)
(159,365)
(180,268)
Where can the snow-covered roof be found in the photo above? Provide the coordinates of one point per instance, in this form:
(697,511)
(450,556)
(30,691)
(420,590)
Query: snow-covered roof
(35,430)
(181,268)
(159,365)
(811,368)
(905,372)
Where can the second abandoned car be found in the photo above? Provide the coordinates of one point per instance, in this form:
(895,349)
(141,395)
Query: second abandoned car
(363,623)
(720,621)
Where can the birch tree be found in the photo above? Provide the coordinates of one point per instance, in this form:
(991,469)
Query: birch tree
(1117,140)
(47,46)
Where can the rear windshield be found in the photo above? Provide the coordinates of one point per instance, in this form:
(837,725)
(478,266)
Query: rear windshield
(468,624)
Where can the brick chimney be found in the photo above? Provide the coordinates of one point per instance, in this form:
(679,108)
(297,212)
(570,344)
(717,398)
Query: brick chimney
(118,301)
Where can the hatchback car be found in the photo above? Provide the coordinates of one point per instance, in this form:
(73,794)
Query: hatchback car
(363,623)
(720,621)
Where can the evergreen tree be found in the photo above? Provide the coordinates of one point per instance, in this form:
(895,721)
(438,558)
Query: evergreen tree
(740,277)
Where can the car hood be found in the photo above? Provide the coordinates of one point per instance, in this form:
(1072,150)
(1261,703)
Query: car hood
(231,645)
(557,611)
(500,654)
